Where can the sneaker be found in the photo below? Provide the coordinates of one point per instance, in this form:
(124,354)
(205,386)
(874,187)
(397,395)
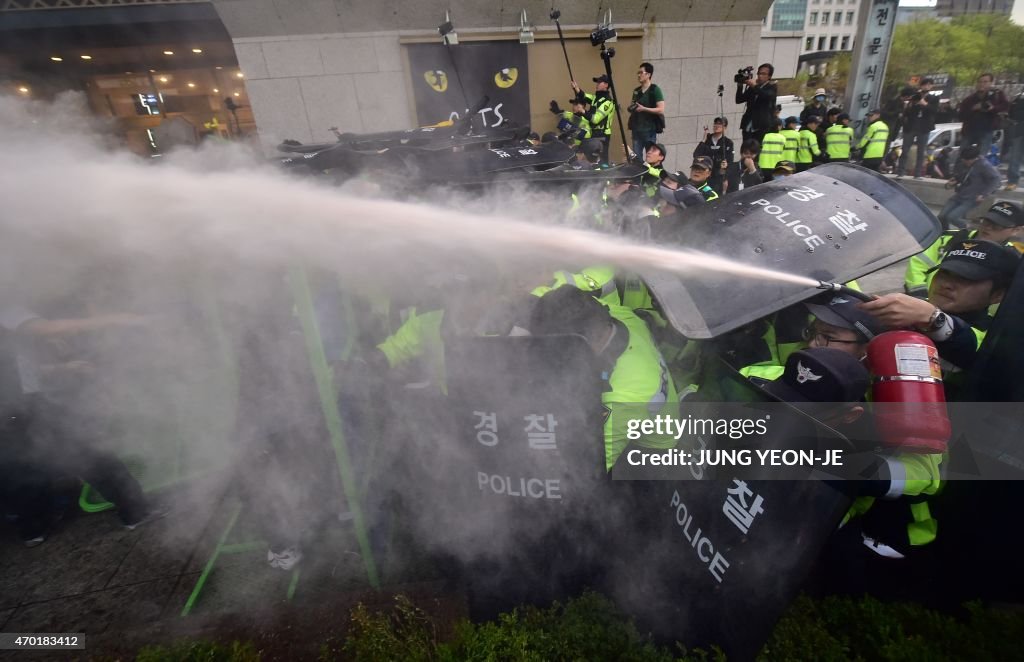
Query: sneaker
(918,177)
(899,177)
(35,542)
(147,517)
(1010,187)
(286,559)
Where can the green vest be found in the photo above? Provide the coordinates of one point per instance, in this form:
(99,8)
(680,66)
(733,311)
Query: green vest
(601,114)
(873,142)
(838,141)
(919,268)
(599,280)
(708,192)
(772,146)
(914,477)
(639,388)
(419,338)
(583,131)
(792,144)
(652,179)
(808,147)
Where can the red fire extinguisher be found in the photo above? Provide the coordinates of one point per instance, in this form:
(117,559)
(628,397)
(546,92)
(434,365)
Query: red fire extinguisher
(910,404)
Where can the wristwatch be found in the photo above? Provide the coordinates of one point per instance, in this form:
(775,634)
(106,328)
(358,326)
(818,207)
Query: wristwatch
(937,321)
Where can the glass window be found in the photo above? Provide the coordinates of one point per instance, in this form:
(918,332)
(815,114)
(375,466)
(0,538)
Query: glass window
(849,18)
(789,15)
(808,43)
(832,43)
(812,18)
(846,42)
(821,43)
(824,18)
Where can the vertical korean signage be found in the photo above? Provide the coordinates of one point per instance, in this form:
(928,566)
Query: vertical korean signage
(875,29)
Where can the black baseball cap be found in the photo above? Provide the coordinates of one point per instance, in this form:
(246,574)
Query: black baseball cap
(981,260)
(792,119)
(1006,213)
(819,375)
(842,311)
(813,119)
(603,78)
(661,148)
(702,162)
(843,116)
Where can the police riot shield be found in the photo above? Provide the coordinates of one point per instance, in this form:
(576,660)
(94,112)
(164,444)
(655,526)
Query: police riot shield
(716,553)
(524,486)
(834,223)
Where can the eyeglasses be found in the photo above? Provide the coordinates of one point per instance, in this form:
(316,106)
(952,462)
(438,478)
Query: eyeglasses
(823,339)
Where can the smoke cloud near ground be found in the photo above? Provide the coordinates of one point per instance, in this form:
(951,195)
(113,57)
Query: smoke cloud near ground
(206,244)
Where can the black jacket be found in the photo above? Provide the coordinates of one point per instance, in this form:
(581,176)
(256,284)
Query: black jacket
(723,151)
(760,105)
(918,118)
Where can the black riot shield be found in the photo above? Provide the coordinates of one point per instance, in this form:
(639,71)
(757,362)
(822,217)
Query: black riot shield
(716,555)
(526,485)
(836,222)
(482,165)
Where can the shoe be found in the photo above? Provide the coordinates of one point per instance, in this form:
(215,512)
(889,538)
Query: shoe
(147,517)
(35,542)
(286,559)
(1010,187)
(918,177)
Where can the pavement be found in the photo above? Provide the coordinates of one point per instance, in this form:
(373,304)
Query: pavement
(94,577)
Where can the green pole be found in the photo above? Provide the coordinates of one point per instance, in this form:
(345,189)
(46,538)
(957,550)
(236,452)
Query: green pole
(332,417)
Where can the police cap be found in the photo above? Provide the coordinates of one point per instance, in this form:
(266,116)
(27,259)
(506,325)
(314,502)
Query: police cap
(818,375)
(981,260)
(1006,213)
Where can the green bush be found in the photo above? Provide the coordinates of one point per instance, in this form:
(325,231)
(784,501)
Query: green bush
(866,629)
(200,651)
(590,628)
(586,628)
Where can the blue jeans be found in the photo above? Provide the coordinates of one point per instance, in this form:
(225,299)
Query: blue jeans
(921,139)
(1015,149)
(641,138)
(953,213)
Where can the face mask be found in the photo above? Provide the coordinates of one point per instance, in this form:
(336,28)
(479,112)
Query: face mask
(778,176)
(819,99)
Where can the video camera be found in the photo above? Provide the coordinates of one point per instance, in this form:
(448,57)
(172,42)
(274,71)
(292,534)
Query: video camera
(602,34)
(743,75)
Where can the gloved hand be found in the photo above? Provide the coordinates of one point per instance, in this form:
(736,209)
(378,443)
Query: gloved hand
(554,107)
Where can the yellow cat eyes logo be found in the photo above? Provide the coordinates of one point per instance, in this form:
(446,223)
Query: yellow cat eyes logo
(507,77)
(438,80)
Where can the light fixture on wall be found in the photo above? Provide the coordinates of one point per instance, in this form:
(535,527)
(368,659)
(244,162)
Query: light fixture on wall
(447,30)
(525,29)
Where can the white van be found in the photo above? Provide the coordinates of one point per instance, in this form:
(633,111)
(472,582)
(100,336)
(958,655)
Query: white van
(948,135)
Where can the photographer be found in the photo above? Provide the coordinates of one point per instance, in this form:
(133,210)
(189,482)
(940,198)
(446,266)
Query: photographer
(647,110)
(721,152)
(918,122)
(980,114)
(759,94)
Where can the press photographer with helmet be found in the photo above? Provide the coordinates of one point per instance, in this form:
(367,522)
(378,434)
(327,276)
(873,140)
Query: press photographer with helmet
(759,93)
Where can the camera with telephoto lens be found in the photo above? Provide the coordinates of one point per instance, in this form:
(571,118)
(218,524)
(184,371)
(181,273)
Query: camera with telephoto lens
(743,75)
(602,34)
